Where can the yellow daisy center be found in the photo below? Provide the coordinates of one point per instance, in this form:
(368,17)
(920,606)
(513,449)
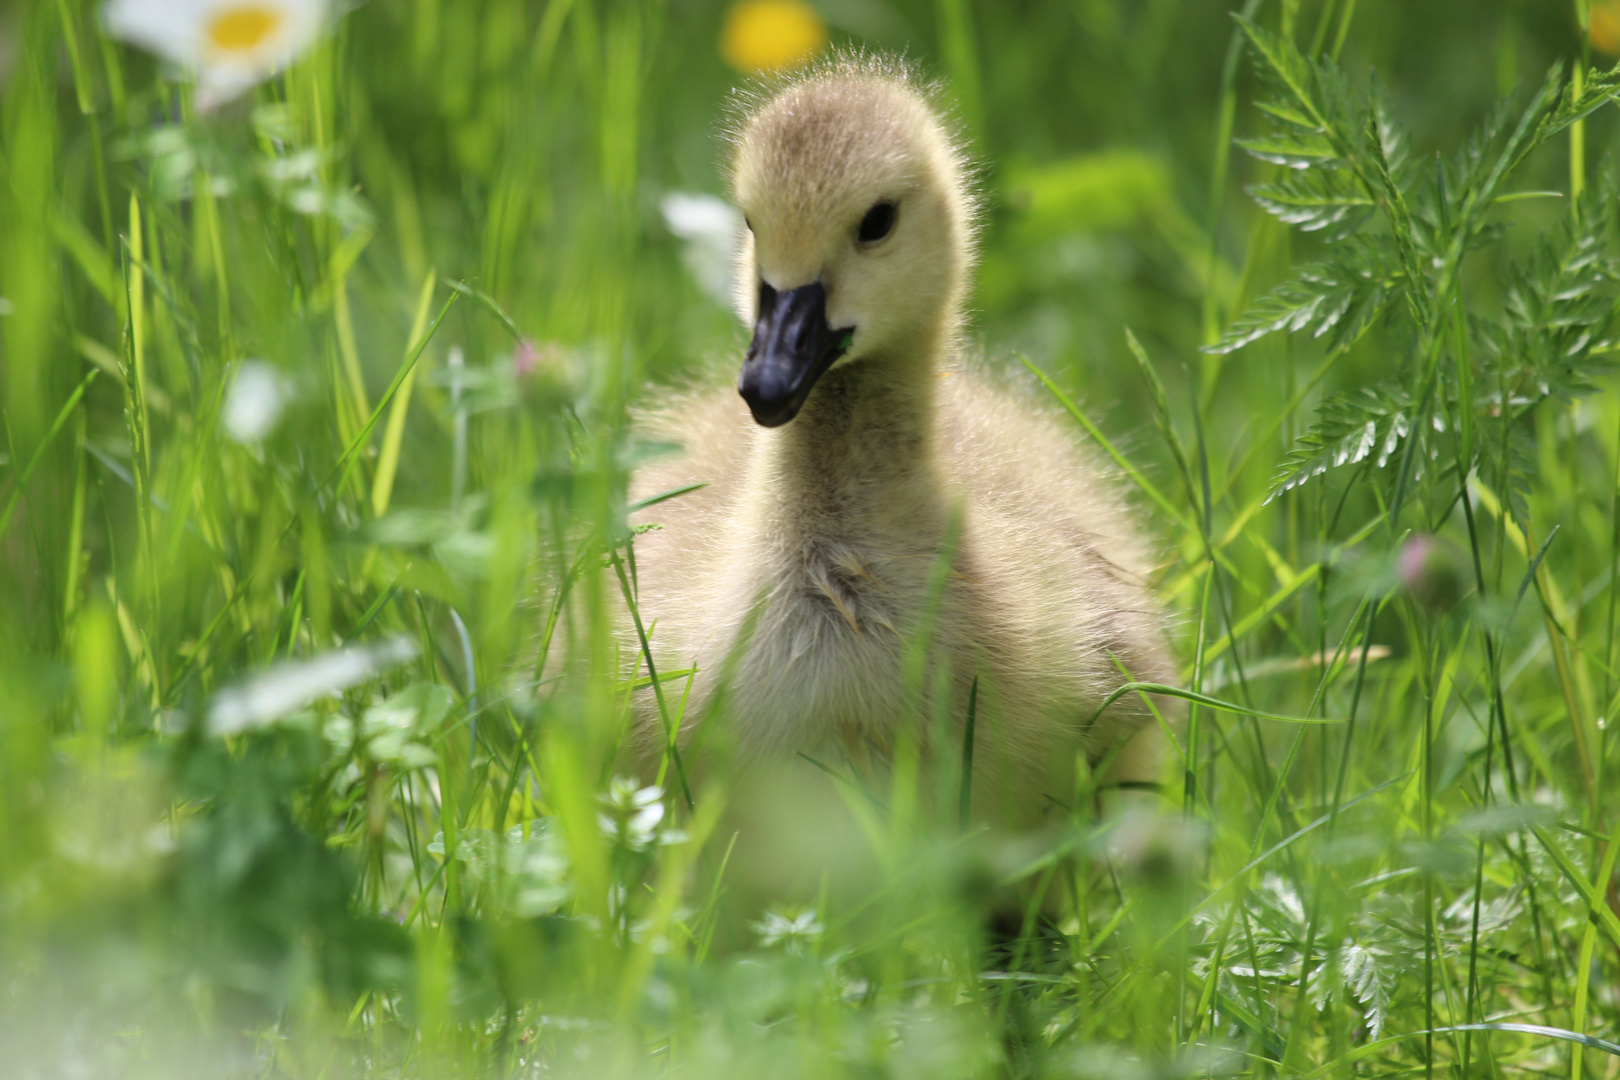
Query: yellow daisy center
(768,35)
(243,28)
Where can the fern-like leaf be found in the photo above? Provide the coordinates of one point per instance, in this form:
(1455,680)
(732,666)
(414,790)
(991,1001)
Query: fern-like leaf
(1314,201)
(1295,150)
(1507,462)
(1558,307)
(1350,428)
(1337,300)
(1597,90)
(1310,103)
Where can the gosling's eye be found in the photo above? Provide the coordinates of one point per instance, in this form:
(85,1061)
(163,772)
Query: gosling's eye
(878,223)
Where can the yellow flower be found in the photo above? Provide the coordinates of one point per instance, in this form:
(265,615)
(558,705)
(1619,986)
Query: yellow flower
(1604,29)
(769,35)
(226,45)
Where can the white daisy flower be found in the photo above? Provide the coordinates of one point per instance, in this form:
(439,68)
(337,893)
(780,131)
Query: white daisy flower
(226,45)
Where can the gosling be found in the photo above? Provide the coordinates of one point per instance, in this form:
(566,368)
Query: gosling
(858,453)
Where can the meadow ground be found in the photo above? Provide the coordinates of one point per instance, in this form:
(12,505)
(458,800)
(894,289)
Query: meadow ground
(315,399)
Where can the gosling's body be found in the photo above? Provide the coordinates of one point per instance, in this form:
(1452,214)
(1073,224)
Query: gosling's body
(800,573)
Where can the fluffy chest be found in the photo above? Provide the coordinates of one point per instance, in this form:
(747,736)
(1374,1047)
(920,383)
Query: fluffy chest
(823,661)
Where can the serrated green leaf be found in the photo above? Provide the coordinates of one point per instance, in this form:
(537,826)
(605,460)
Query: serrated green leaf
(1287,113)
(1350,428)
(1507,461)
(1597,91)
(1391,138)
(1313,201)
(1295,152)
(1338,300)
(1289,66)
(1464,171)
(1558,306)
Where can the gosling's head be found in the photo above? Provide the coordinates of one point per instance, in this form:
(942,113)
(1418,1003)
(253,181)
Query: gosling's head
(860,229)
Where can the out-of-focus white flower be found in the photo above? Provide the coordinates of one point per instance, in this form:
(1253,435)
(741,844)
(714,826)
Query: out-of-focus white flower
(269,696)
(226,45)
(254,401)
(633,817)
(792,930)
(710,228)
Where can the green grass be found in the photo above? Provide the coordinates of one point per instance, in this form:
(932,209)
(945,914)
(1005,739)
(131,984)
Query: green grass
(433,872)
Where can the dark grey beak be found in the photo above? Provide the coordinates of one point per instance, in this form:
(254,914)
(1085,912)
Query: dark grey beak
(793,347)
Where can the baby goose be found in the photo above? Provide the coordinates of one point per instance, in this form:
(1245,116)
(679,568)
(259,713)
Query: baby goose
(799,574)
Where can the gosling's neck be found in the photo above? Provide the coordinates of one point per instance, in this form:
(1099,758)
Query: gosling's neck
(857,463)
